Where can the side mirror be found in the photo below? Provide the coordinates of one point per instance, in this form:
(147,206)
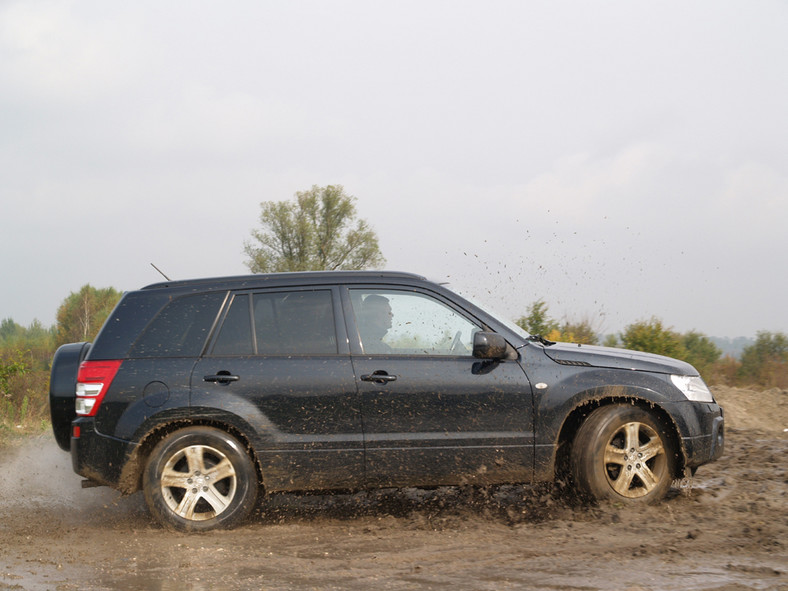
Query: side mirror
(489,345)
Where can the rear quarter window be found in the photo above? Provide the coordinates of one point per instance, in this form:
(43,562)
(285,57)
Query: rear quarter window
(279,323)
(181,328)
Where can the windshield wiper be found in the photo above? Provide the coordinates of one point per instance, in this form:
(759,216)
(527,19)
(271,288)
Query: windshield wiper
(541,340)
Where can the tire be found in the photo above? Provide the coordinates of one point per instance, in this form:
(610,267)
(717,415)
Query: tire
(622,453)
(62,390)
(199,479)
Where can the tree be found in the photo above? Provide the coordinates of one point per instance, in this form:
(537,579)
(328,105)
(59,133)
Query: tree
(537,322)
(652,337)
(702,353)
(81,314)
(317,231)
(9,330)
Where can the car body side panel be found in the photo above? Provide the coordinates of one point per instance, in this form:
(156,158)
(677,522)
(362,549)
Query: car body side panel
(142,390)
(446,420)
(560,389)
(304,412)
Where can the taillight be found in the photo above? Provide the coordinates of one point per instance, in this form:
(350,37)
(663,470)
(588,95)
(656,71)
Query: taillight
(93,380)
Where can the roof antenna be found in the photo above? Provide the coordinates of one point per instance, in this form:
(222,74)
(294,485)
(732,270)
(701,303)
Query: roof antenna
(160,271)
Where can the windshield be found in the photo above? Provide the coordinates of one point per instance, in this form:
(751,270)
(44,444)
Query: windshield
(502,318)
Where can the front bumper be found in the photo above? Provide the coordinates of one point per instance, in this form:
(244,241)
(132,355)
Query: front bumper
(701,427)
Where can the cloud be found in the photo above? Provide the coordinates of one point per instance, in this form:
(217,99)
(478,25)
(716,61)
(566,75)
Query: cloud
(756,187)
(579,184)
(202,118)
(53,54)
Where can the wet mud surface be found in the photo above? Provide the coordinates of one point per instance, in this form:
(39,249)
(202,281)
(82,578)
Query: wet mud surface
(726,529)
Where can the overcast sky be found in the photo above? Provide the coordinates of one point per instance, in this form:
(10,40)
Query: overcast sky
(620,160)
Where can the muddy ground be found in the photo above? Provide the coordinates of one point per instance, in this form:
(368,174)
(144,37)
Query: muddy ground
(727,529)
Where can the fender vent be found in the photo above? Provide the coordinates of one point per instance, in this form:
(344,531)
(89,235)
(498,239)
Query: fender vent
(575,363)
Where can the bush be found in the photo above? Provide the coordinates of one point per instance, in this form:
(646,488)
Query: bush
(765,362)
(578,332)
(723,372)
(652,337)
(24,404)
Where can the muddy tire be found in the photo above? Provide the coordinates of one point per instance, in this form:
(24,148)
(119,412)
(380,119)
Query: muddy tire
(621,453)
(198,479)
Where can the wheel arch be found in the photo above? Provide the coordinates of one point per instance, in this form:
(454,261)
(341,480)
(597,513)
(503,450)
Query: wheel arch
(132,473)
(582,410)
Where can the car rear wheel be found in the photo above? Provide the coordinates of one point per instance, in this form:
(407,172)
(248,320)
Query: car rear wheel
(198,479)
(621,452)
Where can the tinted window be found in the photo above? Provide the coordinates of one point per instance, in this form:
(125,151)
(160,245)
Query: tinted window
(294,323)
(235,338)
(127,321)
(181,328)
(410,323)
(279,323)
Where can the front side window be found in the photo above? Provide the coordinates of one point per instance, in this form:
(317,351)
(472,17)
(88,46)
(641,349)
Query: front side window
(278,323)
(409,323)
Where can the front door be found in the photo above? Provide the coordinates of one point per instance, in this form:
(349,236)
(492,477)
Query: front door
(432,413)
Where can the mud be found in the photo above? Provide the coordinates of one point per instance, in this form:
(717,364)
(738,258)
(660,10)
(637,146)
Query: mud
(727,528)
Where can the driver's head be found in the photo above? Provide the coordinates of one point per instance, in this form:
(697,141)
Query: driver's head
(376,314)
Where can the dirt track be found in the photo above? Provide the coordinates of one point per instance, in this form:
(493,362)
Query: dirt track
(726,529)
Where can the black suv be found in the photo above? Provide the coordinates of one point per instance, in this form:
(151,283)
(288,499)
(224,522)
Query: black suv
(204,393)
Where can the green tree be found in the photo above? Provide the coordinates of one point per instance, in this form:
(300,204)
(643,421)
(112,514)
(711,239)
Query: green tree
(702,353)
(317,231)
(537,321)
(765,362)
(9,330)
(36,340)
(651,336)
(82,313)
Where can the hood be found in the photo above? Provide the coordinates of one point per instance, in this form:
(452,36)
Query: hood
(570,354)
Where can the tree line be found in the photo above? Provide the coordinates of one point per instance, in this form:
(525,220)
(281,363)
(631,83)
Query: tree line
(319,230)
(763,364)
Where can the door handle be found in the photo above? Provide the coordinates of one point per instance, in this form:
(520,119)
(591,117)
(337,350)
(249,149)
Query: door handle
(379,377)
(222,378)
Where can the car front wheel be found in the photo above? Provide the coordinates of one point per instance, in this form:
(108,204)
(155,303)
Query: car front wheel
(622,452)
(198,479)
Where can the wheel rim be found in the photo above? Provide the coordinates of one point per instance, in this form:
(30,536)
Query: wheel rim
(635,460)
(198,482)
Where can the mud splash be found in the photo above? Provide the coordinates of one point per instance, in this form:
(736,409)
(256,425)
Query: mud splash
(725,529)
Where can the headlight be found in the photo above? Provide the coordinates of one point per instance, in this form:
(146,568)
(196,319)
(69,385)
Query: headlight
(693,387)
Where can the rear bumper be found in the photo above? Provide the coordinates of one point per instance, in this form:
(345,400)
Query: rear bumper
(97,457)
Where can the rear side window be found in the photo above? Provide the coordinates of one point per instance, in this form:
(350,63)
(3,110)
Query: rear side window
(181,328)
(235,338)
(279,323)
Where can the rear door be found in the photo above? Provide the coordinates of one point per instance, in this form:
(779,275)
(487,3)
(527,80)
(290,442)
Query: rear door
(433,414)
(280,363)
